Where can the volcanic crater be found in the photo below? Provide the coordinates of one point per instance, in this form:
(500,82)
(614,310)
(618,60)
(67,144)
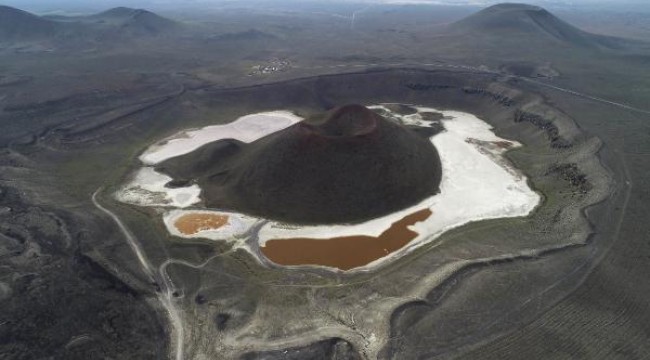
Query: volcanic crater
(343,166)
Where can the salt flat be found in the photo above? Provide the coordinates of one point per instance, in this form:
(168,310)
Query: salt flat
(147,188)
(246,129)
(478,183)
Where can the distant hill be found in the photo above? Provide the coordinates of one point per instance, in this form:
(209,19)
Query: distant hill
(135,21)
(16,24)
(118,23)
(508,20)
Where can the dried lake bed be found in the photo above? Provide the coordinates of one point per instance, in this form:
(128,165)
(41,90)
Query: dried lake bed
(478,183)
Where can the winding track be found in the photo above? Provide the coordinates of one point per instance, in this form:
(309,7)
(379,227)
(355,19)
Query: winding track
(166,294)
(484,71)
(585,96)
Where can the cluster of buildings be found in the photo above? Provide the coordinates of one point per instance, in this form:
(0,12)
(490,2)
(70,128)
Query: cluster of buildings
(274,65)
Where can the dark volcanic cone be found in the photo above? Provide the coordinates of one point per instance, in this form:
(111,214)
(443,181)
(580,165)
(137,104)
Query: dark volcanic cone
(529,22)
(347,165)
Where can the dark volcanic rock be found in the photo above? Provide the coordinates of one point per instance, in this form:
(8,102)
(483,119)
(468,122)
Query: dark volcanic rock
(346,165)
(428,131)
(552,132)
(221,320)
(432,116)
(60,302)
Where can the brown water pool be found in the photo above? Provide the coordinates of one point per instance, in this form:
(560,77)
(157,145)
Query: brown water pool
(346,252)
(190,224)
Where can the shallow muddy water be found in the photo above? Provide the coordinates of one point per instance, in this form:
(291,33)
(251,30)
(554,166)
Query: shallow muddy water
(193,223)
(345,252)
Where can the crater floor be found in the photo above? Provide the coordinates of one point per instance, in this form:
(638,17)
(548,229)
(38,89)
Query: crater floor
(478,183)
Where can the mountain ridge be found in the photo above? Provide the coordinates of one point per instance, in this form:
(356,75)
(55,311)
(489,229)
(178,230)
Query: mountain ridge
(120,22)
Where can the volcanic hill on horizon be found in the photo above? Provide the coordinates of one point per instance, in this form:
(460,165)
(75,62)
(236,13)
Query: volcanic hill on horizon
(16,24)
(344,166)
(138,21)
(122,22)
(513,19)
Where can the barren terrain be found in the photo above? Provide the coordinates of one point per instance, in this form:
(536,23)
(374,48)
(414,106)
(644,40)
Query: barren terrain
(83,275)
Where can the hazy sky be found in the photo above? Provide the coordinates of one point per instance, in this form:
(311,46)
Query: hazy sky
(95,5)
